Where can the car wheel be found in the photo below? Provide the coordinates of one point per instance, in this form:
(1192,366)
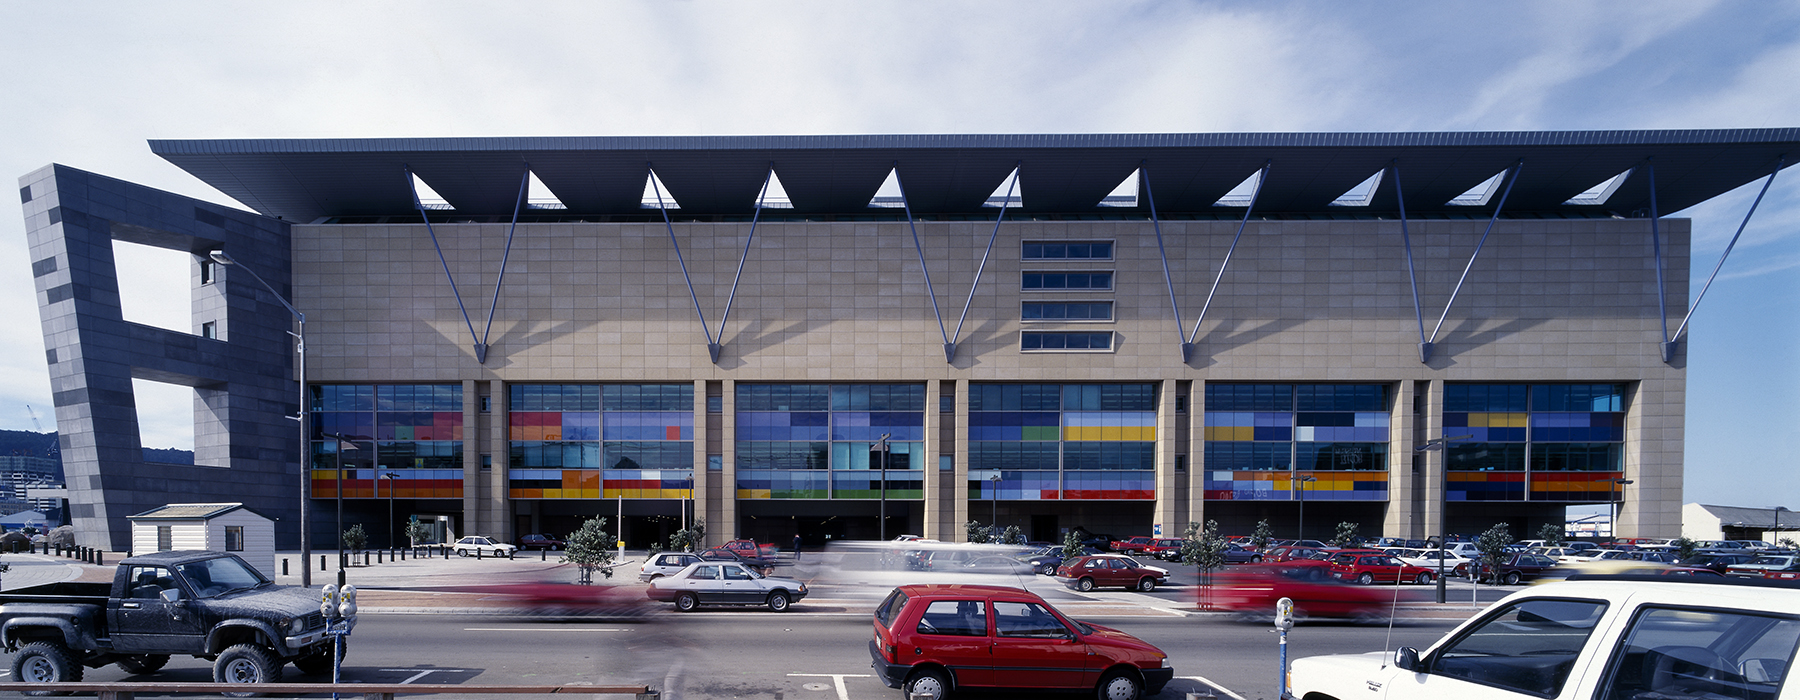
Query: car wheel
(1366,578)
(654,577)
(45,662)
(1256,560)
(778,601)
(245,663)
(1147,584)
(1120,685)
(1046,570)
(1085,585)
(1512,578)
(462,552)
(927,682)
(686,602)
(1424,579)
(144,663)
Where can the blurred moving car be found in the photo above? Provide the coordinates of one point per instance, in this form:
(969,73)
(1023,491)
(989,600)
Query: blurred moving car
(545,542)
(1252,591)
(476,545)
(990,564)
(932,640)
(665,564)
(1088,573)
(725,583)
(750,548)
(555,600)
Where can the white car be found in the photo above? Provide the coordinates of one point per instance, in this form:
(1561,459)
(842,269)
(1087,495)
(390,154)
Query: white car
(1454,564)
(476,545)
(1590,637)
(665,564)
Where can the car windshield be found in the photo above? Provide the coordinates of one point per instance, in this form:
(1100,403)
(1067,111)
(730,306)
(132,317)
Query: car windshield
(215,577)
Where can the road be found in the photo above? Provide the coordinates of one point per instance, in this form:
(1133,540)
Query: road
(760,654)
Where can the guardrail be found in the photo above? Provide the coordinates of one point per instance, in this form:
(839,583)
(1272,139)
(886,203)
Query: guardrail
(369,691)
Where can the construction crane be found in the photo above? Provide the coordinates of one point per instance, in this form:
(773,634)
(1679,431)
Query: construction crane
(54,449)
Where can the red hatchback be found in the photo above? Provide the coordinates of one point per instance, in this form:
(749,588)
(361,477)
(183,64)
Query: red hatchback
(1088,573)
(1368,567)
(933,639)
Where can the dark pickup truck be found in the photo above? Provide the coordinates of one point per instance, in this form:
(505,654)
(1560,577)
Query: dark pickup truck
(209,605)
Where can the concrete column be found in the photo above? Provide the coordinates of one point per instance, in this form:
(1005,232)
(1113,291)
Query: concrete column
(498,444)
(1432,462)
(728,517)
(1403,517)
(959,489)
(702,476)
(1196,505)
(1167,514)
(933,514)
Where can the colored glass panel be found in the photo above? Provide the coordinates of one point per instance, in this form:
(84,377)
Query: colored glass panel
(787,430)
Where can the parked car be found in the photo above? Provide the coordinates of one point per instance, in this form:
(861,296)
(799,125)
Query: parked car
(1453,564)
(476,545)
(752,549)
(760,565)
(1088,573)
(665,564)
(1767,562)
(932,640)
(1045,560)
(1166,550)
(1522,566)
(545,542)
(1608,637)
(1135,545)
(1239,554)
(1289,553)
(1717,561)
(1376,567)
(725,583)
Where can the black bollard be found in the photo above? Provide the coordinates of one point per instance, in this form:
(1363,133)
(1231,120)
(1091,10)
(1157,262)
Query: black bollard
(100,557)
(378,557)
(284,568)
(477,552)
(543,554)
(322,566)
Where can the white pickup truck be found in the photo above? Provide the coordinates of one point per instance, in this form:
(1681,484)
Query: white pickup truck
(1593,638)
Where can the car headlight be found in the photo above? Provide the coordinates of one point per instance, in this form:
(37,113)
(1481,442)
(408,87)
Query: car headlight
(295,624)
(1165,662)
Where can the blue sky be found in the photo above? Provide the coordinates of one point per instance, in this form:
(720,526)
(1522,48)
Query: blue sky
(87,84)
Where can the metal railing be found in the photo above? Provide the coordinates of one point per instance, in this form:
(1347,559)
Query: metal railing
(369,691)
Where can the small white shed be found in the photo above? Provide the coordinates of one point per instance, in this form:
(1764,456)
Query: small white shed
(217,527)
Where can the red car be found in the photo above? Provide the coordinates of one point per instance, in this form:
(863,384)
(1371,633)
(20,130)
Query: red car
(1369,566)
(1252,591)
(1088,573)
(1168,550)
(750,548)
(1135,545)
(931,640)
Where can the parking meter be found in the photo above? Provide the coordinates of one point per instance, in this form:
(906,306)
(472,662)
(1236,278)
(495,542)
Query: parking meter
(1284,621)
(347,601)
(328,601)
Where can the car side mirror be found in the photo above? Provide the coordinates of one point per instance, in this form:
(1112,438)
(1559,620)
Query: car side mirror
(170,595)
(1408,658)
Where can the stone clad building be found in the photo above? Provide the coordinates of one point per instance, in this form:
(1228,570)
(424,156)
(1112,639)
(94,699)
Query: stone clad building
(1123,333)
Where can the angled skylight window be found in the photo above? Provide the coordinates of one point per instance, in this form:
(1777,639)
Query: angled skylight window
(656,194)
(538,196)
(1479,194)
(428,198)
(1007,194)
(1125,195)
(888,196)
(775,197)
(1362,194)
(1243,194)
(1598,194)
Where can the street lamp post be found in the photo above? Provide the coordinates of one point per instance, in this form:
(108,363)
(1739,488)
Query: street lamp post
(882,445)
(1778,510)
(994,509)
(1617,501)
(343,443)
(220,257)
(1438,443)
(390,477)
(1300,528)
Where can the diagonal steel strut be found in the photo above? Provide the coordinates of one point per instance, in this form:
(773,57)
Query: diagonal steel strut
(1261,179)
(949,347)
(1670,346)
(670,226)
(1426,347)
(480,347)
(714,346)
(1012,181)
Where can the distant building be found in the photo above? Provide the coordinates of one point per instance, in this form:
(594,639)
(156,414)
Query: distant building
(1769,524)
(18,473)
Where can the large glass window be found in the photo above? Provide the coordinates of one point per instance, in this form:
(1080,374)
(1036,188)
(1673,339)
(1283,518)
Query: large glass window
(1059,281)
(1062,441)
(1068,250)
(816,441)
(1066,311)
(413,431)
(1542,442)
(590,441)
(1260,436)
(1040,340)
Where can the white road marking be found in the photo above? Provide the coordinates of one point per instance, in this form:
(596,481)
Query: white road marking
(424,673)
(1220,688)
(546,629)
(838,680)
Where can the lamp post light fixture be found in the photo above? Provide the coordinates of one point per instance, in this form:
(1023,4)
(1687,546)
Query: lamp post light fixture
(1439,443)
(882,444)
(1618,500)
(1300,528)
(220,257)
(390,477)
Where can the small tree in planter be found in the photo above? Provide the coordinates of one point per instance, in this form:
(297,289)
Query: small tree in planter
(1684,547)
(1492,545)
(1551,534)
(1012,535)
(355,539)
(590,549)
(1204,549)
(1071,547)
(1346,535)
(416,531)
(978,533)
(1261,536)
(688,539)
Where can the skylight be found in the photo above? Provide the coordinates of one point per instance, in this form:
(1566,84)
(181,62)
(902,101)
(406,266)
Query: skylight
(1243,194)
(776,197)
(1000,197)
(653,185)
(1479,194)
(1598,194)
(1125,195)
(538,196)
(888,196)
(1362,194)
(428,198)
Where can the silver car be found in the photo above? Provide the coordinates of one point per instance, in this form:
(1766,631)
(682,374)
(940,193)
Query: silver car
(725,583)
(665,564)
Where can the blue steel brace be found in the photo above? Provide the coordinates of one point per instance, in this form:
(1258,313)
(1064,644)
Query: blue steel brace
(1261,178)
(660,206)
(1669,348)
(1411,274)
(481,348)
(715,346)
(949,347)
(1187,346)
(1662,291)
(481,352)
(1425,348)
(1012,181)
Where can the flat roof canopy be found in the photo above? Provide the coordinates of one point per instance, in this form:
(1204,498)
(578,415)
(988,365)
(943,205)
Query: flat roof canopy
(306,179)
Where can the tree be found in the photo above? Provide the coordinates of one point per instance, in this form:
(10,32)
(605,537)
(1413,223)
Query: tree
(1012,535)
(1071,546)
(1551,534)
(688,538)
(1346,535)
(590,548)
(978,533)
(1261,536)
(416,531)
(355,539)
(1204,549)
(1492,545)
(1786,543)
(1684,547)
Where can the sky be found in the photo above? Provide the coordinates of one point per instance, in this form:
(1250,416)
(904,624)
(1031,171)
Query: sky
(88,83)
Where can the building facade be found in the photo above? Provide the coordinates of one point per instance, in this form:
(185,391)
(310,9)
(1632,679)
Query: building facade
(1121,334)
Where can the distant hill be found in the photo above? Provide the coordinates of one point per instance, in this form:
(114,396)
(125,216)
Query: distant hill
(30,444)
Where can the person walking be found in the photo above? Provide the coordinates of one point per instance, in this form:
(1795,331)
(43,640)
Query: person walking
(796,546)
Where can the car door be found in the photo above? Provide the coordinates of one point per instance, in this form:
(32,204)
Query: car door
(738,586)
(144,622)
(955,632)
(705,582)
(1033,649)
(1527,649)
